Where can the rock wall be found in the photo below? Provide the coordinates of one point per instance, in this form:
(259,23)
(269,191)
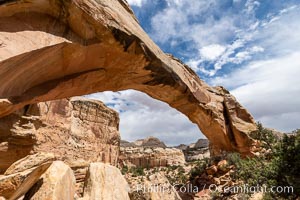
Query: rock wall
(54,49)
(151,157)
(77,131)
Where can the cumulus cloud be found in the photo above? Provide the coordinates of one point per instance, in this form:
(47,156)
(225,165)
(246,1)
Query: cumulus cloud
(211,52)
(221,35)
(270,86)
(269,89)
(142,116)
(264,73)
(138,3)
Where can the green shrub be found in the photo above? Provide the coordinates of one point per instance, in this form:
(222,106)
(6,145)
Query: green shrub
(200,167)
(137,171)
(280,168)
(124,170)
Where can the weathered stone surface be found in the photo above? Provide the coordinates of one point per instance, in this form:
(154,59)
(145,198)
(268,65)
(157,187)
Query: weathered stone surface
(57,183)
(76,130)
(30,161)
(150,142)
(17,136)
(151,157)
(196,154)
(104,181)
(15,185)
(197,151)
(165,191)
(156,187)
(55,49)
(201,143)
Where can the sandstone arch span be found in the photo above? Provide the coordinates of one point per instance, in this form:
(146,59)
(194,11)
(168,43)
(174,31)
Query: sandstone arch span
(52,49)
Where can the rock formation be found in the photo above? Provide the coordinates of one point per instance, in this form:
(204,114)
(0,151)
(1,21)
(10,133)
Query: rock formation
(195,151)
(150,157)
(39,177)
(56,49)
(77,131)
(57,183)
(104,181)
(14,185)
(150,142)
(156,187)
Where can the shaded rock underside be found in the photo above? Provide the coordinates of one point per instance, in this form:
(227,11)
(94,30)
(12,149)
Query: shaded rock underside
(51,49)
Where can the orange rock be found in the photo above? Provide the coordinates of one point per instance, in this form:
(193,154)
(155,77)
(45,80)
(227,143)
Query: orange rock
(77,131)
(211,170)
(223,165)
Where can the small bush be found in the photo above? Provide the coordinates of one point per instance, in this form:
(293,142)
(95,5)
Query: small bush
(280,168)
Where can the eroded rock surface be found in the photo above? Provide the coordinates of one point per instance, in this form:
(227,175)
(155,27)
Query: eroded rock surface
(57,183)
(15,185)
(150,142)
(155,187)
(55,49)
(148,153)
(77,131)
(146,157)
(104,181)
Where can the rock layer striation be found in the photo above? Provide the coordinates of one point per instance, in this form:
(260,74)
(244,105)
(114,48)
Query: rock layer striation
(52,49)
(77,131)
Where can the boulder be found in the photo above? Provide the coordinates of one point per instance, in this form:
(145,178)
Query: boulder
(166,191)
(156,187)
(30,161)
(58,183)
(16,185)
(211,170)
(223,166)
(56,49)
(104,181)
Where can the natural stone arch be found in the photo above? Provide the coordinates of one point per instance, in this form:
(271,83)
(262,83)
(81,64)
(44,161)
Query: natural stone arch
(51,49)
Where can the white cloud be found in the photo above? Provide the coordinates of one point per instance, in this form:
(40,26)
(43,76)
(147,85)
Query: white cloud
(269,89)
(251,5)
(211,52)
(233,31)
(142,116)
(138,3)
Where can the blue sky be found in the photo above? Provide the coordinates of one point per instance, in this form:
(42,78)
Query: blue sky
(251,47)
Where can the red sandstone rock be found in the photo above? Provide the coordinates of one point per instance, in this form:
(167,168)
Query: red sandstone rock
(56,49)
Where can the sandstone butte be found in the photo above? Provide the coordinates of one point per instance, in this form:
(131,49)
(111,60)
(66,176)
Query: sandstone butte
(53,49)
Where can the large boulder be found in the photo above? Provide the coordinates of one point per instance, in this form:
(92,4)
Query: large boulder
(17,184)
(104,181)
(58,183)
(155,187)
(56,49)
(30,161)
(76,130)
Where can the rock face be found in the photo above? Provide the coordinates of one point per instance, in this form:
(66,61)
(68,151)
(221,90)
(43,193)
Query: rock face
(77,131)
(104,181)
(201,143)
(150,142)
(157,187)
(58,183)
(196,151)
(17,184)
(56,49)
(150,157)
(30,161)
